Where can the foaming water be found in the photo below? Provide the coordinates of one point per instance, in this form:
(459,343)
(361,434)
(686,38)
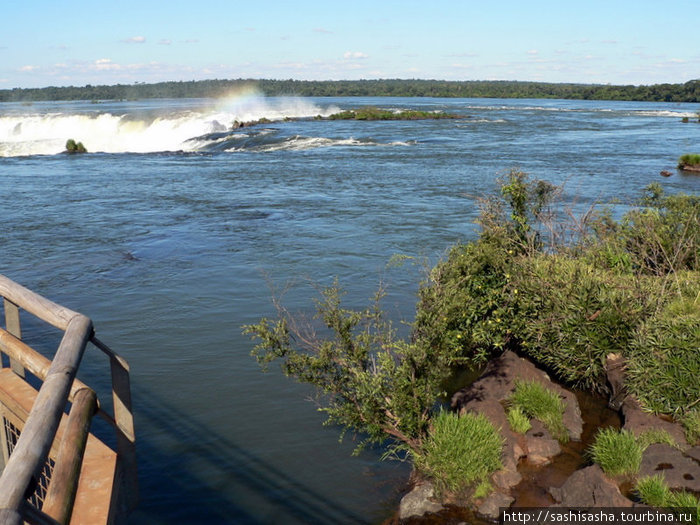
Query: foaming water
(30,132)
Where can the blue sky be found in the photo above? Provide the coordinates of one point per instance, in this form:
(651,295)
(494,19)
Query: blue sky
(44,43)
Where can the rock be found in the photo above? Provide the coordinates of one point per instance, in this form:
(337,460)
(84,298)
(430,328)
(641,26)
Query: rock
(491,506)
(615,373)
(541,447)
(679,470)
(589,487)
(637,421)
(498,382)
(665,173)
(418,501)
(694,453)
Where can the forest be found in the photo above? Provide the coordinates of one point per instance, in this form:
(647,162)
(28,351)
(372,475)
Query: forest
(687,92)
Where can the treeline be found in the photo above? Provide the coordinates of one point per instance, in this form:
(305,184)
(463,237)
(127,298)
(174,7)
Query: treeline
(687,92)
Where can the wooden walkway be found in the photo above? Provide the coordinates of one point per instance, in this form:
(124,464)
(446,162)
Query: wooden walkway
(53,469)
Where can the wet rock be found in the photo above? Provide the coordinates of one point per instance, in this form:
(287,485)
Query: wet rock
(637,421)
(615,373)
(498,382)
(419,501)
(491,505)
(541,447)
(589,487)
(679,470)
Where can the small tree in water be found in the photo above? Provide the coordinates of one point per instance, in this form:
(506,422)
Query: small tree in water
(75,147)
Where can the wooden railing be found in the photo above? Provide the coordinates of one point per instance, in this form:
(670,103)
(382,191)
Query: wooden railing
(59,387)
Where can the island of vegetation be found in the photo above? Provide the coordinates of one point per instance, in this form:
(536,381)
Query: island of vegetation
(601,305)
(373,113)
(687,92)
(73,147)
(689,162)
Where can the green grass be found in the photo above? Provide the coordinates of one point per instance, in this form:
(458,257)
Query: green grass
(653,490)
(617,452)
(461,451)
(534,400)
(518,420)
(655,435)
(691,424)
(689,159)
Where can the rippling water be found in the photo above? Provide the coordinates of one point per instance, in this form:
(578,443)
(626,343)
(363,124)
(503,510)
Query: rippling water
(170,234)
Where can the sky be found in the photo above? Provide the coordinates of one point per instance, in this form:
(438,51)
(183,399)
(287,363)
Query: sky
(51,43)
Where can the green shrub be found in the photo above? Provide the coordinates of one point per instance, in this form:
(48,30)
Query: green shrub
(460,452)
(617,453)
(535,400)
(75,147)
(663,358)
(518,420)
(575,314)
(369,382)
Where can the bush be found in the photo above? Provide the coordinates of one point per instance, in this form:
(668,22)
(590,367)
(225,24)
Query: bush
(535,400)
(460,452)
(75,147)
(617,453)
(370,382)
(663,358)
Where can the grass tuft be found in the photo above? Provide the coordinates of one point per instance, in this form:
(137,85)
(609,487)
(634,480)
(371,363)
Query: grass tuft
(518,420)
(617,453)
(461,451)
(653,490)
(655,435)
(534,400)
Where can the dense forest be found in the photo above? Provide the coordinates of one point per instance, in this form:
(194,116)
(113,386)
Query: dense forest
(687,92)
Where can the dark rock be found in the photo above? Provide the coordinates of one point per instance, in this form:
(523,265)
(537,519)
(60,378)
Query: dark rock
(418,501)
(637,421)
(665,173)
(589,487)
(541,447)
(491,505)
(680,471)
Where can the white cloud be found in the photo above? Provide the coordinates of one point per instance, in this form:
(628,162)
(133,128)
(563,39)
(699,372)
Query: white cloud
(165,41)
(533,52)
(135,40)
(322,31)
(103,64)
(355,55)
(28,69)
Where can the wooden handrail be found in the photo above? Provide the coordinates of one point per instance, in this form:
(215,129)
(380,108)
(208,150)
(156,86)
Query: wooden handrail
(32,448)
(61,492)
(32,360)
(54,314)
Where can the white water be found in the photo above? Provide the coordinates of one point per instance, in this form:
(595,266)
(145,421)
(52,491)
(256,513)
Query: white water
(45,133)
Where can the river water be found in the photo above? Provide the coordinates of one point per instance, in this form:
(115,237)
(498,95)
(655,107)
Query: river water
(173,231)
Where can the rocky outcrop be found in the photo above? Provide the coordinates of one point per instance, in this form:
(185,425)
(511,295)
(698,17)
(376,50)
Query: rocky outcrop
(589,487)
(679,470)
(419,501)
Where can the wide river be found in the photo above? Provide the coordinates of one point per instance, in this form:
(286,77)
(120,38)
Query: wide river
(172,232)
